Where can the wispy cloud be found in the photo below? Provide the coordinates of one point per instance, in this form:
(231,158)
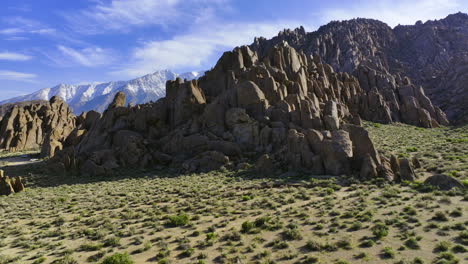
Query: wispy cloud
(196,48)
(88,57)
(11,56)
(20,25)
(121,15)
(393,12)
(17,76)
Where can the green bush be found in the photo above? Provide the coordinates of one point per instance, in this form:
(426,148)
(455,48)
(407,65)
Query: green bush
(118,258)
(387,252)
(178,220)
(442,246)
(247,227)
(380,230)
(412,243)
(440,216)
(367,243)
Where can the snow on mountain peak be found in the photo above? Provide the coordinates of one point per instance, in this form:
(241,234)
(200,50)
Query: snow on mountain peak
(96,96)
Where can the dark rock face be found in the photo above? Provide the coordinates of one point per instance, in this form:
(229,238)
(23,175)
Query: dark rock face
(36,125)
(284,106)
(444,182)
(393,64)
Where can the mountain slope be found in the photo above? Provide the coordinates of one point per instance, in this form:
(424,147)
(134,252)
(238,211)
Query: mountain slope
(433,55)
(87,97)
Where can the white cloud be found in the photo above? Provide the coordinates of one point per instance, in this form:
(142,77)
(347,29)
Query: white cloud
(17,76)
(11,56)
(89,57)
(121,15)
(196,48)
(393,12)
(20,25)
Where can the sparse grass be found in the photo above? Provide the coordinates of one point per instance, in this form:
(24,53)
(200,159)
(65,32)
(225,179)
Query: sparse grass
(239,217)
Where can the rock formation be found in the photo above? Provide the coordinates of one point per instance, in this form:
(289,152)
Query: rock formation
(5,108)
(283,110)
(394,64)
(444,182)
(9,186)
(28,127)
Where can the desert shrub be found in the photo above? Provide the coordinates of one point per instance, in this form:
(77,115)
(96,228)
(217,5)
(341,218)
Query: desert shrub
(411,149)
(247,227)
(446,258)
(309,260)
(387,252)
(178,220)
(456,212)
(96,257)
(355,226)
(292,234)
(442,246)
(367,243)
(440,216)
(313,245)
(39,260)
(118,258)
(412,243)
(459,249)
(112,242)
(188,252)
(380,230)
(463,237)
(90,247)
(65,260)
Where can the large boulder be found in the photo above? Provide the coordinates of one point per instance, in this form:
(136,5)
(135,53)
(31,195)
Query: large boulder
(337,152)
(444,182)
(9,186)
(406,170)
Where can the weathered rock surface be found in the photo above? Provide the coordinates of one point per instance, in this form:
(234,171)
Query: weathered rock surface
(9,186)
(37,125)
(392,65)
(286,107)
(444,182)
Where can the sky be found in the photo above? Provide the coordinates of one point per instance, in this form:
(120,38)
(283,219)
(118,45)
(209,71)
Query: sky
(47,42)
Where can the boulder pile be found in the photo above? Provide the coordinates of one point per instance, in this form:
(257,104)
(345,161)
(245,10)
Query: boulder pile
(9,186)
(283,110)
(32,126)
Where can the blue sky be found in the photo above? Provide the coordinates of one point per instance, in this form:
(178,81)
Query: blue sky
(46,42)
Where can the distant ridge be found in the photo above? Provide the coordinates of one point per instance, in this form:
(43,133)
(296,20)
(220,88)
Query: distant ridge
(97,96)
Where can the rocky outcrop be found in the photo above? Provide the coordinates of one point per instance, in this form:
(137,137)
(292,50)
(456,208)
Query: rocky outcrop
(5,108)
(285,107)
(393,64)
(32,126)
(9,186)
(444,182)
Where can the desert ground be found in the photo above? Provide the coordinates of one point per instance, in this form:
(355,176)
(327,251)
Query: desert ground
(162,216)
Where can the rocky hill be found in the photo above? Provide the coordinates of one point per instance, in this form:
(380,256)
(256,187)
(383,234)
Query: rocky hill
(433,55)
(283,110)
(97,96)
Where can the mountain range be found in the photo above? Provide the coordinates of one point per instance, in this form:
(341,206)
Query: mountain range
(97,96)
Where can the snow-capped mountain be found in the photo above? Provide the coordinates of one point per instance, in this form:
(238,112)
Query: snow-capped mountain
(98,96)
